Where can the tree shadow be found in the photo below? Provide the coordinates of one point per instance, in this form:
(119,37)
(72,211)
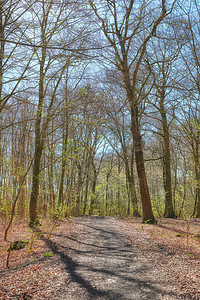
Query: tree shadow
(171,229)
(126,284)
(73,268)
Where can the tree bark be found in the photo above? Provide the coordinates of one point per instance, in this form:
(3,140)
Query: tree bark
(2,46)
(33,213)
(107,185)
(93,196)
(169,210)
(86,190)
(130,180)
(197,175)
(144,191)
(63,165)
(38,141)
(78,190)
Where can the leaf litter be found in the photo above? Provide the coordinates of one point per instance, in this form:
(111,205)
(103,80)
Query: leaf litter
(171,246)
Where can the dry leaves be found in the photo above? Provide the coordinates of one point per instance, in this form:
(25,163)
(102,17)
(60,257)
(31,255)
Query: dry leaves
(173,246)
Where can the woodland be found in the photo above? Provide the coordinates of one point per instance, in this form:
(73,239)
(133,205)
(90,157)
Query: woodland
(99,109)
(99,139)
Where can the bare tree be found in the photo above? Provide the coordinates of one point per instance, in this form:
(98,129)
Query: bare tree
(123,25)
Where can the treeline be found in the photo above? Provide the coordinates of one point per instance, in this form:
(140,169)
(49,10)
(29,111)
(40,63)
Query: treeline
(99,108)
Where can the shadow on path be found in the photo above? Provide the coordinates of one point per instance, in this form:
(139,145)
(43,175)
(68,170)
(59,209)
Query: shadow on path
(102,264)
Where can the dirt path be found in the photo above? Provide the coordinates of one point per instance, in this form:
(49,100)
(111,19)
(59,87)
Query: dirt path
(101,263)
(104,258)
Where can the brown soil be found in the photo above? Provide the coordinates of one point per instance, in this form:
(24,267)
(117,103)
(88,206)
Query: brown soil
(104,258)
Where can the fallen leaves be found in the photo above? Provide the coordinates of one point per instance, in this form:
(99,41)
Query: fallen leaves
(35,273)
(172,248)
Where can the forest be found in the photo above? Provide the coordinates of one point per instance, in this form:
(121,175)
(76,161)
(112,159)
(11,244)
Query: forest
(99,109)
(99,149)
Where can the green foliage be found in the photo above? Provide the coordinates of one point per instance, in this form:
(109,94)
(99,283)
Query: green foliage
(184,206)
(48,254)
(150,221)
(179,235)
(158,206)
(190,254)
(18,245)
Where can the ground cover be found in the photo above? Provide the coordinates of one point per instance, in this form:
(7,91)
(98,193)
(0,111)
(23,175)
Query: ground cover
(102,258)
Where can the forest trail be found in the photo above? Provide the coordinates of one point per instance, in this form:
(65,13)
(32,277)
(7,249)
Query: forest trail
(103,264)
(103,258)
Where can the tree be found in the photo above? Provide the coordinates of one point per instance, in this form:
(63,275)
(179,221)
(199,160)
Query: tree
(190,57)
(45,60)
(162,60)
(122,28)
(120,139)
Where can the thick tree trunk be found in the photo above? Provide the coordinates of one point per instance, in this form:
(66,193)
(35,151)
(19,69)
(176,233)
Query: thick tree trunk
(144,191)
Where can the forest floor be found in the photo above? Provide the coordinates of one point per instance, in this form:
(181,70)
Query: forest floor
(103,258)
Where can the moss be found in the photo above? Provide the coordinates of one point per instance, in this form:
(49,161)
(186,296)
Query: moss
(17,245)
(179,235)
(48,254)
(150,221)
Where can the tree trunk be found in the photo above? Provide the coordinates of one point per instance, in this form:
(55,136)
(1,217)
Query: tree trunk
(198,203)
(22,166)
(93,196)
(2,46)
(51,173)
(107,184)
(133,196)
(169,210)
(39,140)
(144,191)
(86,191)
(63,165)
(197,174)
(33,213)
(181,214)
(38,150)
(130,182)
(118,188)
(132,186)
(78,195)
